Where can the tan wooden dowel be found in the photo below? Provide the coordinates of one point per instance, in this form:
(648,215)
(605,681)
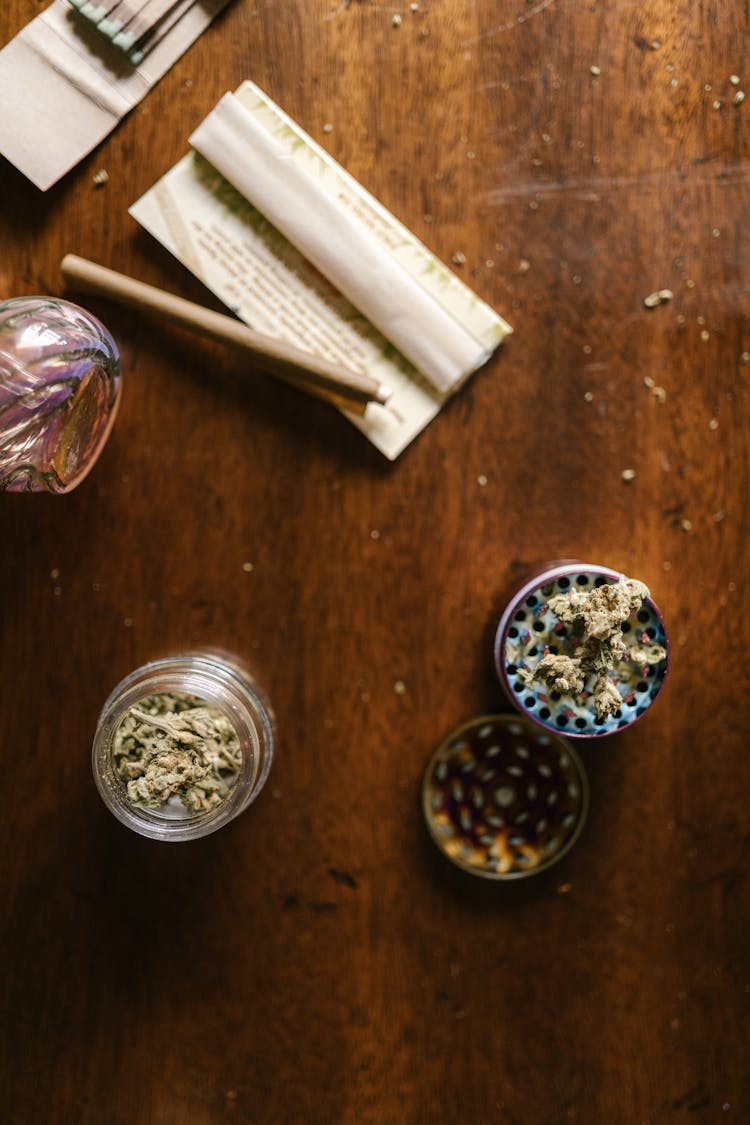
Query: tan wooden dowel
(346,388)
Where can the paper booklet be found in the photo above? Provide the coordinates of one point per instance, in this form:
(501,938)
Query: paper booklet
(64,87)
(297,248)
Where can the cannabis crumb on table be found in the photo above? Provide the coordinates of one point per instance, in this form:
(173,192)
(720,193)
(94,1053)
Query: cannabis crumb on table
(659,297)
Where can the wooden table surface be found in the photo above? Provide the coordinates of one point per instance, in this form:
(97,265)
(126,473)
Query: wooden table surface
(317,961)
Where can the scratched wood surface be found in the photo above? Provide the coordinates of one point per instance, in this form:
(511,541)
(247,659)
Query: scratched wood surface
(317,961)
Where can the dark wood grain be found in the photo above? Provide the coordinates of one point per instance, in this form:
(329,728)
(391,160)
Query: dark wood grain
(317,961)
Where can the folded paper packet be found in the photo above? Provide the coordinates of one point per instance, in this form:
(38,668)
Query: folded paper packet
(63,87)
(260,211)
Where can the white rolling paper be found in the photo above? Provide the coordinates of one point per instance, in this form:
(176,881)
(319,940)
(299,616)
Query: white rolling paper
(297,248)
(338,244)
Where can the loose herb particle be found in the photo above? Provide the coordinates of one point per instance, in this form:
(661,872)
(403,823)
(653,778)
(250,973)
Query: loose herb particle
(658,298)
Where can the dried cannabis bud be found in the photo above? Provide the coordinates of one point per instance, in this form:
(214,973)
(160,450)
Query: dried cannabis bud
(174,745)
(560,673)
(596,616)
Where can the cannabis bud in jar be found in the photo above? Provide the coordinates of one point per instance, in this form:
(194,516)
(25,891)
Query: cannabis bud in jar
(176,747)
(183,745)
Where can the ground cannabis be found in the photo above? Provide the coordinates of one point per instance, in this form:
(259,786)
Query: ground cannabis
(174,745)
(596,618)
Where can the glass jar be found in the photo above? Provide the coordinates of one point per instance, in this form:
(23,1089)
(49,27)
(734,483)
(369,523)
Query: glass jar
(216,682)
(59,393)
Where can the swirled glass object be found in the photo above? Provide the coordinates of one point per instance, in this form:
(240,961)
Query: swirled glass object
(59,393)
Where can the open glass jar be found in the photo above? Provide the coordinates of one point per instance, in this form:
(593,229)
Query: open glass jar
(59,393)
(183,745)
